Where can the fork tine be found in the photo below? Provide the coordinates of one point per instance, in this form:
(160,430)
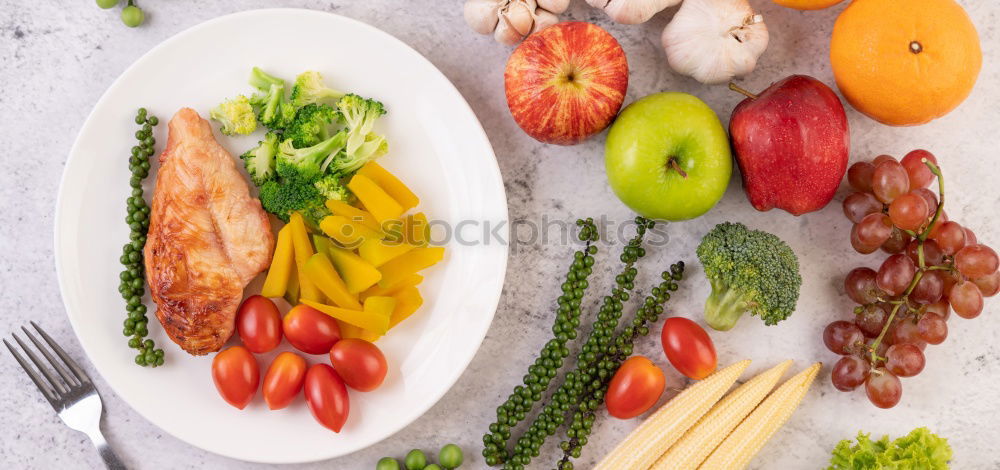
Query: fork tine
(77,371)
(48,356)
(57,385)
(46,391)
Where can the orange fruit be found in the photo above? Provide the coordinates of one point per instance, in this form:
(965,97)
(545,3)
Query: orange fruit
(905,63)
(807,4)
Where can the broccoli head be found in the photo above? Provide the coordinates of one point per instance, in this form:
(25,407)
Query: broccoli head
(309,88)
(272,109)
(311,125)
(360,115)
(259,161)
(236,116)
(261,80)
(331,187)
(307,164)
(281,199)
(750,270)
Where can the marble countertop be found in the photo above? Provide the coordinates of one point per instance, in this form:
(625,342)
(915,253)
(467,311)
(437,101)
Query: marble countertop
(57,58)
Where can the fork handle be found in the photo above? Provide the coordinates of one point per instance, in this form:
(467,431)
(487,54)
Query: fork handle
(110,459)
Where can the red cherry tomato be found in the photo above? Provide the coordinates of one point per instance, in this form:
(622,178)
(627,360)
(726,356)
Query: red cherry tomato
(236,375)
(283,380)
(259,324)
(688,347)
(361,364)
(311,331)
(327,397)
(636,386)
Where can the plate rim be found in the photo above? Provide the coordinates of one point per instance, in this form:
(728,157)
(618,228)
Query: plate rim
(59,222)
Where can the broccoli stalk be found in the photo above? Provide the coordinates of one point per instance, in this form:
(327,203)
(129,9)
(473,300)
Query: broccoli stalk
(274,112)
(309,88)
(750,271)
(259,161)
(261,80)
(307,164)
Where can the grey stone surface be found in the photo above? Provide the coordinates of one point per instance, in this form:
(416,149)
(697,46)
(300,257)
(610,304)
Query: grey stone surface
(57,58)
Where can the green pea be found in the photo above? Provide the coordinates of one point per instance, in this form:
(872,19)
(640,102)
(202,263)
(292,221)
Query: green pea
(450,456)
(132,16)
(415,460)
(387,463)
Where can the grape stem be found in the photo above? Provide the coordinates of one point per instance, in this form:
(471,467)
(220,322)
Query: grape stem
(921,268)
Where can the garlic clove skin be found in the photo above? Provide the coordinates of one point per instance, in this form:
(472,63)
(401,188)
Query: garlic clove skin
(555,6)
(505,33)
(519,15)
(543,19)
(481,15)
(714,40)
(634,11)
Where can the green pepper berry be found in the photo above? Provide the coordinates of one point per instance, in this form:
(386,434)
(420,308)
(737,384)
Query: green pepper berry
(132,16)
(415,460)
(387,463)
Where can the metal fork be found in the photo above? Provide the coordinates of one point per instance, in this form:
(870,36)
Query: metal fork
(74,397)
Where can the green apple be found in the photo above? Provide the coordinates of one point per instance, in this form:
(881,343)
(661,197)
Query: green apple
(667,157)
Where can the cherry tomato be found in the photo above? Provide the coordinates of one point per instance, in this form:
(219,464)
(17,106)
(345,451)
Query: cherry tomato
(259,324)
(283,380)
(688,348)
(327,397)
(636,386)
(311,331)
(236,375)
(361,364)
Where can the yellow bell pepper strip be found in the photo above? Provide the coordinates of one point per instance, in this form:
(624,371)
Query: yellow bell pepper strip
(357,273)
(292,291)
(380,304)
(347,232)
(408,300)
(353,214)
(372,321)
(378,252)
(408,281)
(401,266)
(416,229)
(376,200)
(303,251)
(282,265)
(325,277)
(348,330)
(392,185)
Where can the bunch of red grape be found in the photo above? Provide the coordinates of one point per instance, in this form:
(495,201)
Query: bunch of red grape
(935,266)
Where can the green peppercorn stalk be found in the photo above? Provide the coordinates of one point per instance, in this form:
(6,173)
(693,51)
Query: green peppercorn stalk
(132,285)
(609,362)
(551,417)
(550,358)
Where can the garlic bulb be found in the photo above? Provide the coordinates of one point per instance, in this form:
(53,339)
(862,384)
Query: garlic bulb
(510,21)
(714,40)
(632,11)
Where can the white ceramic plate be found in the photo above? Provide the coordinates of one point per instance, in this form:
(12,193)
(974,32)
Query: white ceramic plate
(436,145)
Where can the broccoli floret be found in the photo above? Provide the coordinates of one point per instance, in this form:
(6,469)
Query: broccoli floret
(345,163)
(307,164)
(360,115)
(261,80)
(236,116)
(309,88)
(311,125)
(273,111)
(750,270)
(331,187)
(259,161)
(281,199)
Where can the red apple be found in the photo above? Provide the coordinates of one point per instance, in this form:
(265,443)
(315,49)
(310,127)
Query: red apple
(791,143)
(566,82)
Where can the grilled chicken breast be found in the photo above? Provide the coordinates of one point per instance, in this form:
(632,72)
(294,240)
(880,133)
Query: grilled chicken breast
(208,238)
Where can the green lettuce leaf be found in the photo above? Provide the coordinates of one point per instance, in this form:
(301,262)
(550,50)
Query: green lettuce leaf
(919,450)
